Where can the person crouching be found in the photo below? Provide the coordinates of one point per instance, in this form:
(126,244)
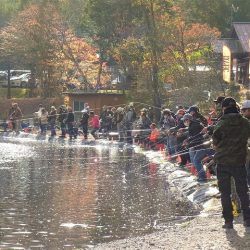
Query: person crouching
(154,136)
(94,123)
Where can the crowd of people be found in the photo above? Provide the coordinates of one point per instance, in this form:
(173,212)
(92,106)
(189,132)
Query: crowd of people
(185,133)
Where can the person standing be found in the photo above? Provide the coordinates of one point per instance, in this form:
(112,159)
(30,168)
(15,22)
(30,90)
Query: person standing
(118,120)
(52,120)
(62,115)
(84,123)
(230,138)
(43,121)
(143,124)
(167,122)
(69,121)
(16,117)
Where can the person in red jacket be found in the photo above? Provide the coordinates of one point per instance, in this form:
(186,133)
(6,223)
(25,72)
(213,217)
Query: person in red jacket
(154,135)
(94,123)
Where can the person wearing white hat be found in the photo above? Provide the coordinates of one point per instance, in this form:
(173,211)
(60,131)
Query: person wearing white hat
(245,109)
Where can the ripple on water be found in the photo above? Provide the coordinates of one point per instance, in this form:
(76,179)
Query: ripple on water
(12,152)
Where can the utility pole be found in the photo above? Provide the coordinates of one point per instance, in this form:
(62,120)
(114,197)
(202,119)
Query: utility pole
(233,10)
(9,84)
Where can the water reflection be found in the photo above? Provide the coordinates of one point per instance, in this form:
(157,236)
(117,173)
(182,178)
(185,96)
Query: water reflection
(55,196)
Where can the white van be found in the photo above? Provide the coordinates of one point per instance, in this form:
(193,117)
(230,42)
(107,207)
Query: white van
(18,78)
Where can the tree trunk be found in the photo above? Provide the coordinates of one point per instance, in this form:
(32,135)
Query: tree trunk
(152,37)
(9,85)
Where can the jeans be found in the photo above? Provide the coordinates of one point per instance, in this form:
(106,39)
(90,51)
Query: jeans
(224,174)
(93,132)
(171,143)
(63,129)
(53,129)
(196,157)
(71,129)
(129,136)
(85,130)
(43,128)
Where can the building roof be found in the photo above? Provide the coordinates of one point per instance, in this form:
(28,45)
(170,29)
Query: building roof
(233,44)
(239,40)
(242,31)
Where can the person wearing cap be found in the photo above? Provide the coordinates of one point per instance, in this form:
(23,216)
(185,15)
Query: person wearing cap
(218,108)
(230,138)
(245,109)
(195,112)
(194,142)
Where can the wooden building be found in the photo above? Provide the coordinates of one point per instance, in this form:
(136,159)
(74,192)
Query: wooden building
(77,98)
(235,54)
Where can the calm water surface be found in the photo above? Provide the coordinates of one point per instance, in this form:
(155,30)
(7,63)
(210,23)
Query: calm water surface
(62,196)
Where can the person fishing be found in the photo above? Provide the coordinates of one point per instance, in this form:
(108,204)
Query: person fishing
(230,139)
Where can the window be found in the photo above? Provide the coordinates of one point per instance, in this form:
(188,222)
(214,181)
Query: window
(78,106)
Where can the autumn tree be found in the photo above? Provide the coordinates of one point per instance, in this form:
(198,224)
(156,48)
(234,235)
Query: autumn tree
(41,39)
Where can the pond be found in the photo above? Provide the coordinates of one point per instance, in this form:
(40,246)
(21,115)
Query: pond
(73,195)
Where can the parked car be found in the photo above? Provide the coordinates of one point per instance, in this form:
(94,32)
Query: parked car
(3,77)
(16,81)
(21,81)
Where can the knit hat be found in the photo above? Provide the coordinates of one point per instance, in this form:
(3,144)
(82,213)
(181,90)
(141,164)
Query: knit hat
(187,117)
(228,102)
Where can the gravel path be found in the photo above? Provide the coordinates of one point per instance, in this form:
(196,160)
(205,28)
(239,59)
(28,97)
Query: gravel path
(203,233)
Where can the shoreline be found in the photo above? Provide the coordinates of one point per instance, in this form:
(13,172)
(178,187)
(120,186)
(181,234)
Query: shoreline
(203,231)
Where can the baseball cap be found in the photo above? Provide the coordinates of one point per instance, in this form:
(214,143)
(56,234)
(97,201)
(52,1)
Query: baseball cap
(246,104)
(193,109)
(228,102)
(187,117)
(219,99)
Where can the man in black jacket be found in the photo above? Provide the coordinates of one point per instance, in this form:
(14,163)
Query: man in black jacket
(84,123)
(230,142)
(69,121)
(62,115)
